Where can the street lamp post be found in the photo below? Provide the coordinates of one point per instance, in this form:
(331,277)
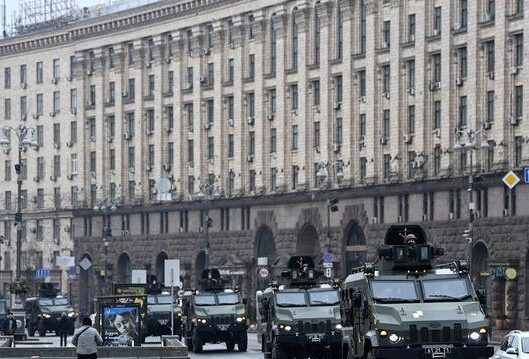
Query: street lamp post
(106,206)
(469,147)
(326,182)
(25,136)
(208,192)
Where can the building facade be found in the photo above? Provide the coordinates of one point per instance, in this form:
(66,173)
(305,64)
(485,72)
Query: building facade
(216,131)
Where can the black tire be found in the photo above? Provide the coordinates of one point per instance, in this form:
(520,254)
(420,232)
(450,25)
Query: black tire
(230,345)
(370,355)
(242,343)
(277,352)
(42,333)
(197,342)
(31,331)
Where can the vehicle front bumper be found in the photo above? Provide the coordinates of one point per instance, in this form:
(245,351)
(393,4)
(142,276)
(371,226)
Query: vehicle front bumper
(316,341)
(468,352)
(156,328)
(212,333)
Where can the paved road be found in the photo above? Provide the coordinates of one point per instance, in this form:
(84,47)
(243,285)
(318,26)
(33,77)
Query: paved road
(211,351)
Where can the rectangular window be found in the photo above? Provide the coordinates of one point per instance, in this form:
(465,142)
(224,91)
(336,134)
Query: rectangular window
(463,111)
(150,157)
(231,146)
(7,170)
(24,169)
(7,78)
(411,27)
(518,6)
(338,89)
(40,167)
(437,21)
(73,131)
(518,101)
(317,134)
(190,151)
(411,164)
(150,120)
(111,126)
(411,73)
(56,69)
(490,11)
(437,114)
(273,140)
(295,176)
(518,49)
(130,124)
(57,197)
(317,39)
(73,163)
(437,160)
(111,98)
(57,134)
(8,200)
(231,70)
(40,135)
(92,95)
(150,89)
(294,137)
(250,98)
(131,156)
(112,159)
(518,146)
(23,75)
(386,76)
(273,179)
(39,72)
(294,97)
(7,109)
(339,34)
(463,62)
(491,55)
(339,131)
(251,66)
(111,54)
(56,102)
(411,119)
(72,65)
(363,27)
(191,184)
(211,148)
(92,128)
(272,100)
(362,83)
(386,31)
(252,181)
(363,126)
(93,165)
(436,68)
(210,107)
(210,80)
(131,89)
(387,162)
(170,82)
(23,107)
(490,106)
(57,165)
(463,13)
(387,124)
(40,198)
(73,100)
(40,104)
(251,143)
(363,167)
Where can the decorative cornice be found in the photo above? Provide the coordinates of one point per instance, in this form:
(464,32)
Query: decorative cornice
(301,17)
(323,9)
(134,18)
(346,9)
(279,24)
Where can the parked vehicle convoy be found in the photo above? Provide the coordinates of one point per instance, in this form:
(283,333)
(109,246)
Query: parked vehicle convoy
(214,314)
(44,312)
(404,306)
(301,317)
(160,308)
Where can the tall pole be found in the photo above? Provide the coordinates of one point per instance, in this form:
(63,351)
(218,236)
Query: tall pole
(206,260)
(470,190)
(18,216)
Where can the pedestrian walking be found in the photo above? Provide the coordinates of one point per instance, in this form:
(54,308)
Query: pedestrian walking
(86,339)
(63,327)
(10,324)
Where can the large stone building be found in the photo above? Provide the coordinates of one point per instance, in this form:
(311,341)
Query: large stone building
(205,123)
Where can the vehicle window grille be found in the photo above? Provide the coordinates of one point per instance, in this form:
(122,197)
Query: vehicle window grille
(458,332)
(424,335)
(446,334)
(413,333)
(436,336)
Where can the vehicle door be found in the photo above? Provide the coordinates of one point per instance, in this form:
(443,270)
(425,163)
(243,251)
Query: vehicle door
(360,312)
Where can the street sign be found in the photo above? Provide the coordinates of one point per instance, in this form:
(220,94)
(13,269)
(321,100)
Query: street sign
(42,273)
(263,273)
(526,174)
(139,276)
(172,272)
(511,179)
(85,263)
(327,264)
(262,261)
(328,258)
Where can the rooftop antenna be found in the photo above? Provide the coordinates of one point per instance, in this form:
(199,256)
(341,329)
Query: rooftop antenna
(35,15)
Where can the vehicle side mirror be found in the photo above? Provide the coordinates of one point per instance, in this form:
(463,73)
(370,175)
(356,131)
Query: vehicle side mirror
(482,297)
(244,301)
(357,299)
(511,351)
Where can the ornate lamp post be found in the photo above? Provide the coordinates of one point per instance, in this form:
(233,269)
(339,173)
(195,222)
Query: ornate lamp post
(26,139)
(326,182)
(208,192)
(105,207)
(470,136)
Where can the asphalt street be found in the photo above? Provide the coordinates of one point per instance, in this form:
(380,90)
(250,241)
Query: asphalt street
(211,351)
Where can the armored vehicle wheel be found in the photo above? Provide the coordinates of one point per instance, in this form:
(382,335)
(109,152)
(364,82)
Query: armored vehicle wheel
(243,343)
(197,342)
(230,344)
(370,355)
(277,353)
(42,332)
(31,331)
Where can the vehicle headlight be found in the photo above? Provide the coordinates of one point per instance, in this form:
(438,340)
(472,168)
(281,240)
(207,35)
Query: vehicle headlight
(71,314)
(46,315)
(240,319)
(383,333)
(474,336)
(339,326)
(202,320)
(284,327)
(179,314)
(394,338)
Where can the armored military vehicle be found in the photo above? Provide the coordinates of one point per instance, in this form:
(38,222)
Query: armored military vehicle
(43,312)
(301,318)
(160,308)
(404,306)
(214,314)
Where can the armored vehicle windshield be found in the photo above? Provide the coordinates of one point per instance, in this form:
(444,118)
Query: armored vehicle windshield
(217,299)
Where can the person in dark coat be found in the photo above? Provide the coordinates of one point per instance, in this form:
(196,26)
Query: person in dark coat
(63,327)
(10,324)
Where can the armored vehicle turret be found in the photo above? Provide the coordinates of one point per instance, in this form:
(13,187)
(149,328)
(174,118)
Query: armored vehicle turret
(300,317)
(214,314)
(403,305)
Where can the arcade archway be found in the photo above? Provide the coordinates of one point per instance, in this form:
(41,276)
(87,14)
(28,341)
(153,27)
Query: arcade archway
(308,243)
(355,247)
(124,269)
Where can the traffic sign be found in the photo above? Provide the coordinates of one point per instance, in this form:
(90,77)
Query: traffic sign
(85,263)
(42,273)
(327,264)
(328,258)
(511,179)
(526,174)
(263,273)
